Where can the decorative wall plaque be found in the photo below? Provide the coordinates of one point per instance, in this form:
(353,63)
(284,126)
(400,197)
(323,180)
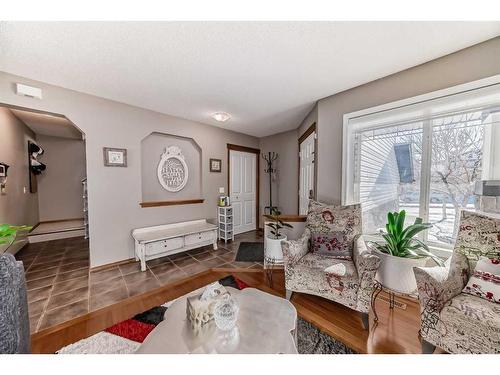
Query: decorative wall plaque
(172,170)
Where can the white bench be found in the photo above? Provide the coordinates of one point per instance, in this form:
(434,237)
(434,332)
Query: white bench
(159,241)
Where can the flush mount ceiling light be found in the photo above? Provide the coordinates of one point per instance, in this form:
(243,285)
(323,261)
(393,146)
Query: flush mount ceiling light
(221,116)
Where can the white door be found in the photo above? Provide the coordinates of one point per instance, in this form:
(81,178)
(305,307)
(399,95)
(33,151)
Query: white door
(306,177)
(242,190)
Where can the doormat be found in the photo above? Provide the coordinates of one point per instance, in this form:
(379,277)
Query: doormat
(250,252)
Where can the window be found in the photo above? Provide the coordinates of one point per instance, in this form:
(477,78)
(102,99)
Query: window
(424,158)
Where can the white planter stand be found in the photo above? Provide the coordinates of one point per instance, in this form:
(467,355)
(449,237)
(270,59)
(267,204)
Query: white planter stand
(273,249)
(396,273)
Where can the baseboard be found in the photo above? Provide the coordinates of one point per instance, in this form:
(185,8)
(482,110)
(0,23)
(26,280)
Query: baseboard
(59,220)
(15,247)
(34,238)
(114,264)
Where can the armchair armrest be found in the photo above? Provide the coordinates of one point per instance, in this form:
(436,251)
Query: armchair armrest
(293,250)
(367,266)
(437,285)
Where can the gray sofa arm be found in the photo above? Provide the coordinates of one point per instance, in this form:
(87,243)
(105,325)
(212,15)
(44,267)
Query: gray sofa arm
(14,320)
(293,250)
(367,266)
(437,285)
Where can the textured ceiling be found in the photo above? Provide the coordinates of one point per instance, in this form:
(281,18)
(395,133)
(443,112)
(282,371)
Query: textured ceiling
(267,75)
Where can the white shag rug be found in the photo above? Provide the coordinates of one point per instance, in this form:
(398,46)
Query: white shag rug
(102,343)
(107,343)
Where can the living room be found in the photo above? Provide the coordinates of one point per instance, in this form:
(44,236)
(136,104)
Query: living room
(167,196)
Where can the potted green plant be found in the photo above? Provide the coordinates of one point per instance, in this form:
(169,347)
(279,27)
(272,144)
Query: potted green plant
(400,252)
(276,237)
(8,234)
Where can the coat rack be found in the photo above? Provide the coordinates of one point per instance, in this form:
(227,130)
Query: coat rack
(270,158)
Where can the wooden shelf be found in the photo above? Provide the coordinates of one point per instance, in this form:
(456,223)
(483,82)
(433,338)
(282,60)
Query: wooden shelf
(289,218)
(171,203)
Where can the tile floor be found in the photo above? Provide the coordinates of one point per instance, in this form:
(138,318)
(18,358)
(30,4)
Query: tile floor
(61,286)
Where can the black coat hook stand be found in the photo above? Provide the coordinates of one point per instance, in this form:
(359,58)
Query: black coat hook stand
(270,158)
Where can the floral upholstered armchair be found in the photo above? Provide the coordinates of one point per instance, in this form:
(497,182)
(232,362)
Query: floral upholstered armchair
(331,259)
(451,318)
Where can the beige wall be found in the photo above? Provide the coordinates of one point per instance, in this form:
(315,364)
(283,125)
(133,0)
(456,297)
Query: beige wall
(60,185)
(285,184)
(16,206)
(115,193)
(476,62)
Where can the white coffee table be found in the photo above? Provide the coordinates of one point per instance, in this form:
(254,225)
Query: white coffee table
(266,324)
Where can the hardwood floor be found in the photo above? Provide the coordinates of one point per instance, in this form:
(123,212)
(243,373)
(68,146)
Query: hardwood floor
(396,332)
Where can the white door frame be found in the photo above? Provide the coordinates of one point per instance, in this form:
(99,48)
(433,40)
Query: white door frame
(302,138)
(256,151)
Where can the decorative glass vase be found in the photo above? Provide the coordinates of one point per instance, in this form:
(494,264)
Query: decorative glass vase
(226,313)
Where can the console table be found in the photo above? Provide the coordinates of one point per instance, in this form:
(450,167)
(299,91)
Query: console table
(159,241)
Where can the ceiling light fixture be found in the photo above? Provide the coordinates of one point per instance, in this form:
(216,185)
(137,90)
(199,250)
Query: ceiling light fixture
(221,116)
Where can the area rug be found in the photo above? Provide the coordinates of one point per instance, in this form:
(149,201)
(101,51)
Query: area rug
(126,337)
(250,252)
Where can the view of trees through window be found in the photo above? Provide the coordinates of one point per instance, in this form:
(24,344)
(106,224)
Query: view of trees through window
(391,165)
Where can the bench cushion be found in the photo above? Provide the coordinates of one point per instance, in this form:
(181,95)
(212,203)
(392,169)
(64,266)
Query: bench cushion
(168,232)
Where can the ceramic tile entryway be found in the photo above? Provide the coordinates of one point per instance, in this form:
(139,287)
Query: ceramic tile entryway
(61,286)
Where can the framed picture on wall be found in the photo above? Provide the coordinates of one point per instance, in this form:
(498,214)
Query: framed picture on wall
(215,165)
(115,157)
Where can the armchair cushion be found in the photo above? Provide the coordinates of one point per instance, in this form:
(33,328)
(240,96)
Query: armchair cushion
(332,244)
(468,324)
(478,236)
(322,262)
(485,280)
(334,228)
(314,274)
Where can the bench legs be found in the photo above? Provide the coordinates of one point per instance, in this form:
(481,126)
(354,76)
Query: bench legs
(142,257)
(215,241)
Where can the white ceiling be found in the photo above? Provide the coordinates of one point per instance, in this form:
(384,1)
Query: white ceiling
(44,124)
(267,75)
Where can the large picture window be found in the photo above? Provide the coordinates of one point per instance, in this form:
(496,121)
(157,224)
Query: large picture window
(425,159)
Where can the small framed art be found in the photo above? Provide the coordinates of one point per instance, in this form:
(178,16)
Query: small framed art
(115,157)
(215,165)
